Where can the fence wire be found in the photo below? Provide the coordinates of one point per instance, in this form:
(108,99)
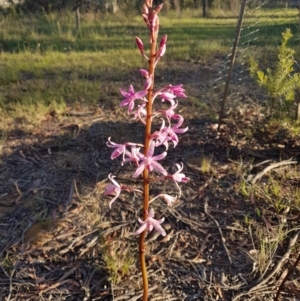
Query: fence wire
(260,37)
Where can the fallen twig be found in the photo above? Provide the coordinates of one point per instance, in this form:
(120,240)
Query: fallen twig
(270,167)
(287,275)
(220,231)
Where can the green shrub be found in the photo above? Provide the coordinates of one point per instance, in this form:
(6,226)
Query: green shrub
(280,82)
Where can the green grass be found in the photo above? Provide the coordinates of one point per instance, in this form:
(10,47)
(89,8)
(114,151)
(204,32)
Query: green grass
(46,64)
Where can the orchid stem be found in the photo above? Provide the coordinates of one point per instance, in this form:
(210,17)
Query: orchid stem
(146,181)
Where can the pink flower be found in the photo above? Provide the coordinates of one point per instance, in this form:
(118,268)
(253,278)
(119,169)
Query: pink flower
(169,93)
(150,163)
(177,90)
(167,96)
(144,73)
(169,113)
(141,112)
(168,133)
(115,189)
(176,127)
(160,137)
(134,155)
(178,177)
(119,149)
(172,131)
(146,19)
(151,223)
(112,189)
(130,97)
(168,198)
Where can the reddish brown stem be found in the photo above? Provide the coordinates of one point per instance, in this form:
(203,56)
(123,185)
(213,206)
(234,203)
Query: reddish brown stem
(146,182)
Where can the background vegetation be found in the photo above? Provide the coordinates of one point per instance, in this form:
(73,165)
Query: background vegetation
(48,64)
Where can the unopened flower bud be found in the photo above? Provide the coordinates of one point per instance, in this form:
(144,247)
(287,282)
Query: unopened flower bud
(158,8)
(162,47)
(145,10)
(149,3)
(163,40)
(146,19)
(154,22)
(161,51)
(139,44)
(147,84)
(144,73)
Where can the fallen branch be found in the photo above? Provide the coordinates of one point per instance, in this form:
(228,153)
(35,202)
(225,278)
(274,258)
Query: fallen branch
(272,166)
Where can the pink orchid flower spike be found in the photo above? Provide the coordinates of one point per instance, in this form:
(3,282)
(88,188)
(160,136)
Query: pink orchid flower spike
(150,162)
(151,223)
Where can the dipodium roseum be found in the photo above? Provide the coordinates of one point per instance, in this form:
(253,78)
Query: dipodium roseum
(150,162)
(146,159)
(131,97)
(151,223)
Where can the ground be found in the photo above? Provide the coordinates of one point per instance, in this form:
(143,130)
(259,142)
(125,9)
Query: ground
(232,236)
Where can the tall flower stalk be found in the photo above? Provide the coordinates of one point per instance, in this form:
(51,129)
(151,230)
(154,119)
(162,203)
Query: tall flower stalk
(140,104)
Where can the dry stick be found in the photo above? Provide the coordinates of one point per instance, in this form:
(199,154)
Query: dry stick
(233,55)
(146,182)
(10,280)
(279,264)
(287,276)
(275,270)
(272,166)
(220,231)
